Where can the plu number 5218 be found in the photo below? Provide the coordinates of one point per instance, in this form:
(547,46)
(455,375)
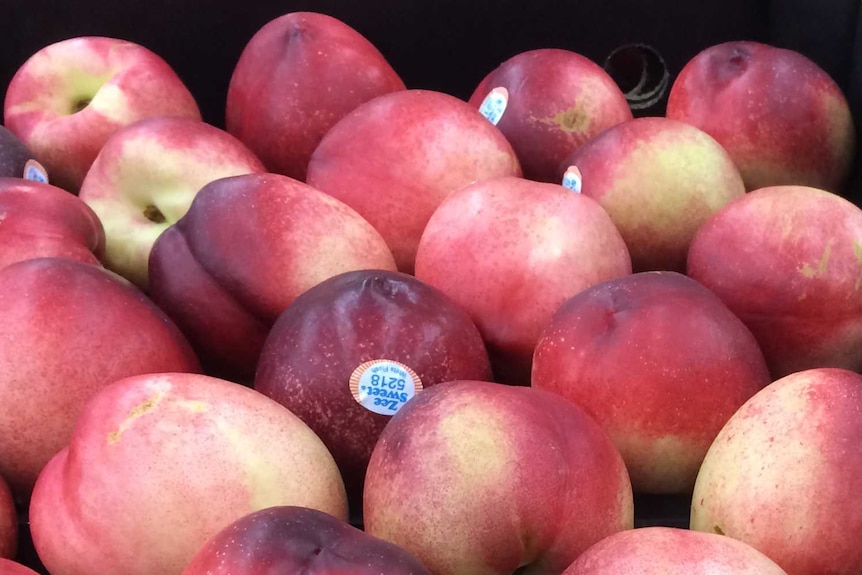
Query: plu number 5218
(388,382)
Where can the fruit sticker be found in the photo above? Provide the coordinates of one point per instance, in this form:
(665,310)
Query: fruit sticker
(384,386)
(572,179)
(494,104)
(34,171)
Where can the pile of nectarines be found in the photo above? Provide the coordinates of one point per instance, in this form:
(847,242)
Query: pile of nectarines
(370,328)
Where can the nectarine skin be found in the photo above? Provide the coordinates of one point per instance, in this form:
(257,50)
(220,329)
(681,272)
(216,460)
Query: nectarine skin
(9,567)
(69,329)
(246,248)
(787,260)
(41,220)
(799,435)
(557,100)
(146,176)
(43,103)
(288,539)
(296,77)
(659,179)
(159,463)
(510,251)
(479,477)
(342,323)
(671,551)
(660,362)
(395,158)
(781,117)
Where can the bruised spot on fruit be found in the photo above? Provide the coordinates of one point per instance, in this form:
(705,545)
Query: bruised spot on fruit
(717,529)
(154,214)
(569,121)
(135,413)
(811,272)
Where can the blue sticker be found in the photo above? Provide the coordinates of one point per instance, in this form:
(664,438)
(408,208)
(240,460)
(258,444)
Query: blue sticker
(572,179)
(35,172)
(494,105)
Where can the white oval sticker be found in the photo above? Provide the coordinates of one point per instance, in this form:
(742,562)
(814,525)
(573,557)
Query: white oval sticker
(384,386)
(35,171)
(494,104)
(573,179)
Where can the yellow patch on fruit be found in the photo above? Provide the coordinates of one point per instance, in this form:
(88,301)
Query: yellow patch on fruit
(822,265)
(145,407)
(549,247)
(857,251)
(841,129)
(670,182)
(112,103)
(472,436)
(749,463)
(193,405)
(470,467)
(82,88)
(260,475)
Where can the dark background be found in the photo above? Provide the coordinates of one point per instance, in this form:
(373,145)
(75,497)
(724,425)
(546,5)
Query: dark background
(446,45)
